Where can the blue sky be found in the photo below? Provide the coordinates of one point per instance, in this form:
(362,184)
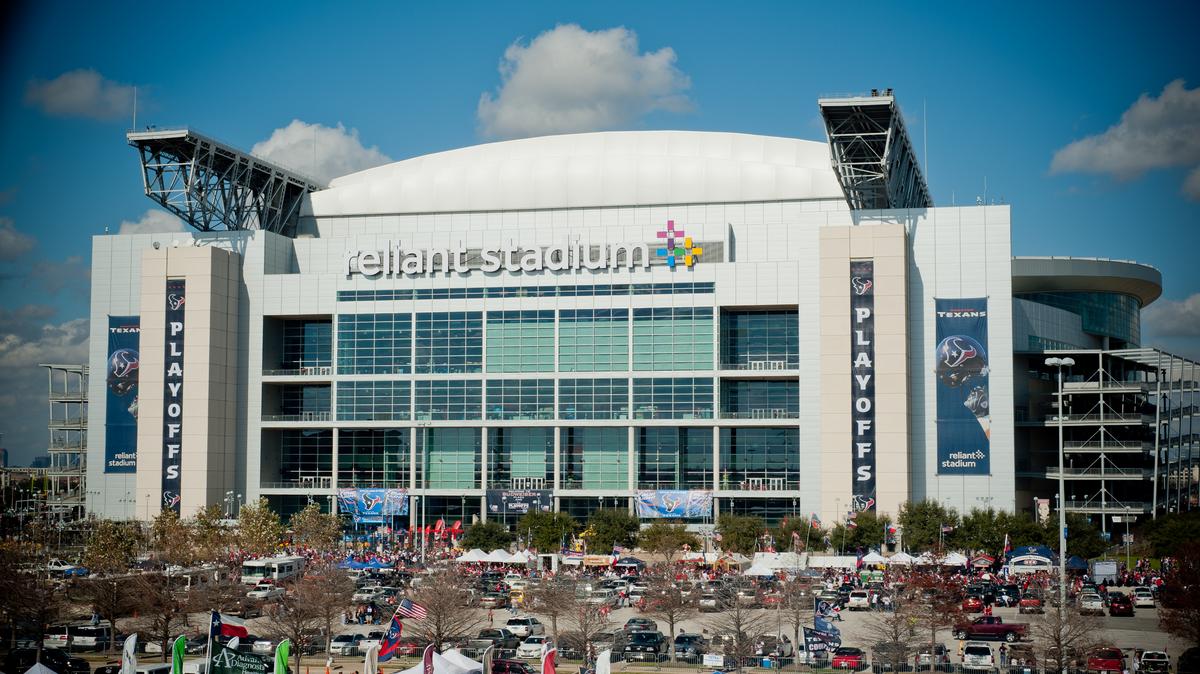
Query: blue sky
(1005,87)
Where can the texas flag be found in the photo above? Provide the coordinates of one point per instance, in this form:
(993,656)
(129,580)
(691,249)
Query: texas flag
(550,662)
(227,626)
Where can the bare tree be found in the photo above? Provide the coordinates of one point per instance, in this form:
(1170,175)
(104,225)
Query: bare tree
(111,597)
(553,600)
(446,598)
(737,626)
(330,590)
(1061,635)
(896,635)
(162,612)
(667,603)
(302,611)
(934,602)
(796,607)
(28,599)
(589,620)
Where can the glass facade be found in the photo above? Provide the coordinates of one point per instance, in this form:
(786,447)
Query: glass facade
(595,458)
(305,454)
(307,344)
(374,344)
(1112,315)
(520,341)
(449,458)
(772,510)
(593,399)
(673,398)
(448,342)
(593,340)
(373,457)
(298,400)
(760,399)
(448,399)
(604,290)
(509,399)
(673,338)
(760,340)
(674,458)
(760,459)
(520,458)
(373,401)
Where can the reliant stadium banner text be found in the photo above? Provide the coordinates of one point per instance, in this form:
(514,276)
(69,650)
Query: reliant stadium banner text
(674,503)
(519,501)
(172,461)
(964,423)
(373,506)
(862,384)
(121,400)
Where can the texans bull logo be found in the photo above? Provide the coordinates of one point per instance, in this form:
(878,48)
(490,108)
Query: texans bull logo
(170,499)
(959,353)
(174,301)
(671,502)
(370,501)
(860,286)
(861,503)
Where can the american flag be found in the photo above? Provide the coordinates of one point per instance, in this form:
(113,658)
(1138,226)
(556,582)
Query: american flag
(410,609)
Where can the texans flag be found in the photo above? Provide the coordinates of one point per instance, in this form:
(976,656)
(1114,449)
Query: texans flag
(389,642)
(411,609)
(226,626)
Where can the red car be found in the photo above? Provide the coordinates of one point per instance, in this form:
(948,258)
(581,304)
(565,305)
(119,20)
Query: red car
(1119,604)
(972,605)
(849,658)
(1031,602)
(1106,659)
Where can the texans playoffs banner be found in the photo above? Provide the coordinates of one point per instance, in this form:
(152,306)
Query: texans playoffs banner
(373,506)
(862,382)
(173,395)
(121,400)
(519,501)
(674,504)
(964,422)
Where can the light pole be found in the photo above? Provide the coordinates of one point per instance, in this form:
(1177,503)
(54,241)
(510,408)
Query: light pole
(1060,363)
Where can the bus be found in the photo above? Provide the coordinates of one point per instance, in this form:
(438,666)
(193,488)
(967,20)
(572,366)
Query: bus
(273,569)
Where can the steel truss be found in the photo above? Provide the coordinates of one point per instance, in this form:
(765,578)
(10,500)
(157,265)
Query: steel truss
(213,186)
(872,154)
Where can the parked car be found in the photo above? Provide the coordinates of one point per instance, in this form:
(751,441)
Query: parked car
(21,659)
(1143,597)
(848,657)
(978,655)
(936,655)
(525,626)
(990,627)
(644,646)
(690,646)
(859,599)
(511,667)
(890,656)
(493,600)
(1008,596)
(533,647)
(1154,662)
(345,644)
(1120,604)
(640,624)
(372,639)
(193,646)
(710,601)
(1189,661)
(265,591)
(409,647)
(774,646)
(1106,659)
(1031,602)
(1090,603)
(972,604)
(501,639)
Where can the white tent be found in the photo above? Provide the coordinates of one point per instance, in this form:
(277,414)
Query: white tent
(441,665)
(519,557)
(872,558)
(475,555)
(498,556)
(955,559)
(779,560)
(900,558)
(455,656)
(39,668)
(757,570)
(833,562)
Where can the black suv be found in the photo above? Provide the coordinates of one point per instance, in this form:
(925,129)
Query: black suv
(511,667)
(645,646)
(22,659)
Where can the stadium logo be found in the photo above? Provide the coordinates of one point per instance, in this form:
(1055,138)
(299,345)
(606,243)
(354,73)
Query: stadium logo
(860,286)
(688,251)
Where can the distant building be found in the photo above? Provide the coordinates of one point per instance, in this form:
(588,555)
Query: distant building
(67,460)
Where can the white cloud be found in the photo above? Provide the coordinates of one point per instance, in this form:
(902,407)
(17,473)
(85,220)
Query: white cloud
(1154,133)
(26,339)
(570,80)
(1171,318)
(152,221)
(13,244)
(81,93)
(319,152)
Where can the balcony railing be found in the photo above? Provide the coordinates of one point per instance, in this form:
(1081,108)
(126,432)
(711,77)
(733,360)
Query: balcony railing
(1109,445)
(303,416)
(306,482)
(767,413)
(1112,506)
(1110,473)
(69,397)
(761,365)
(303,371)
(77,422)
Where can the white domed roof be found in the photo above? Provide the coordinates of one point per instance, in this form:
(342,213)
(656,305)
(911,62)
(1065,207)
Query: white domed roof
(615,168)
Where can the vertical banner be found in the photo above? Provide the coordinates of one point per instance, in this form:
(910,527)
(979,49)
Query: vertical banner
(173,395)
(862,384)
(964,422)
(121,398)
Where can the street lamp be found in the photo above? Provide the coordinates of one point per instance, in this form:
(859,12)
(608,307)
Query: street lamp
(1060,363)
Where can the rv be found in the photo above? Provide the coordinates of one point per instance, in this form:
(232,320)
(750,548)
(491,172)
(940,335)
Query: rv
(274,569)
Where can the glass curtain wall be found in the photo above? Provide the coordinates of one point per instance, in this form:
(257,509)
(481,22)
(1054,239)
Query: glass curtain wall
(593,399)
(760,459)
(374,344)
(449,342)
(449,458)
(674,338)
(374,457)
(520,458)
(593,340)
(520,341)
(674,458)
(595,458)
(373,401)
(760,340)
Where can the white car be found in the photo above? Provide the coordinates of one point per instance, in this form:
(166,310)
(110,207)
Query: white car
(1090,603)
(859,599)
(977,655)
(372,639)
(1143,597)
(265,591)
(262,645)
(345,644)
(367,595)
(533,647)
(525,627)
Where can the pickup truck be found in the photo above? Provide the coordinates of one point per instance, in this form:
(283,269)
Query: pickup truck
(502,639)
(265,591)
(990,627)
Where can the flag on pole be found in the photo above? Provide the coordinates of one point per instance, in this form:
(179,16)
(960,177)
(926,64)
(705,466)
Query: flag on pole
(851,524)
(1007,547)
(814,521)
(281,656)
(548,661)
(946,529)
(427,660)
(391,639)
(226,626)
(371,660)
(604,662)
(178,651)
(129,655)
(411,609)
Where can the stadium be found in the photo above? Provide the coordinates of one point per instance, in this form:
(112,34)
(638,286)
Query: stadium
(684,324)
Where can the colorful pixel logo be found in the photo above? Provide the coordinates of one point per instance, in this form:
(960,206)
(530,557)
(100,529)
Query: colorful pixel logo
(689,252)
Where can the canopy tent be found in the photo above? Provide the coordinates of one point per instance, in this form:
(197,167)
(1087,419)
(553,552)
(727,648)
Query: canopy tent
(456,657)
(39,668)
(1032,560)
(734,560)
(519,557)
(1030,550)
(1077,563)
(788,561)
(833,562)
(630,562)
(982,561)
(900,558)
(498,557)
(441,665)
(873,558)
(955,559)
(760,571)
(474,555)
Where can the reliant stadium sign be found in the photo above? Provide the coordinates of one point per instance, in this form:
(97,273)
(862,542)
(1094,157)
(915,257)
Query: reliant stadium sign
(395,260)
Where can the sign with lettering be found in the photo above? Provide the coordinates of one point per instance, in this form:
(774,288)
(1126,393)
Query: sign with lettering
(862,384)
(964,420)
(121,397)
(172,435)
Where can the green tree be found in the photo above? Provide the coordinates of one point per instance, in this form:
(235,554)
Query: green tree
(315,529)
(210,534)
(1181,616)
(805,535)
(1083,537)
(740,533)
(259,528)
(112,547)
(922,522)
(487,536)
(1167,534)
(667,539)
(546,531)
(608,528)
(980,530)
(867,532)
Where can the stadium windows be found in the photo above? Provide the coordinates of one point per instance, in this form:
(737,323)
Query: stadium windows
(673,338)
(593,340)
